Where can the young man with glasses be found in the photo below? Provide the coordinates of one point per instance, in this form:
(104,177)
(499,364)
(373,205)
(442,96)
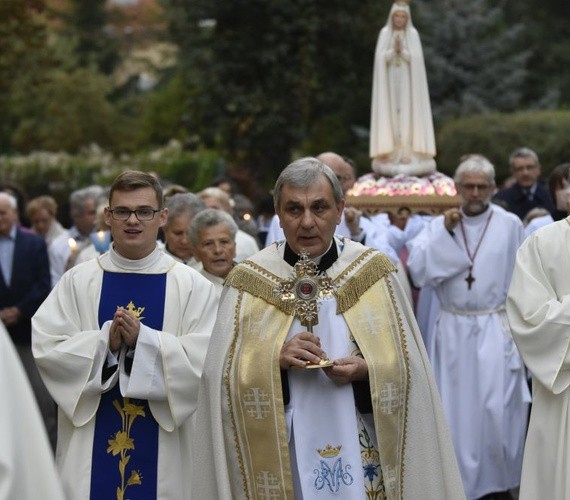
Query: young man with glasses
(120,343)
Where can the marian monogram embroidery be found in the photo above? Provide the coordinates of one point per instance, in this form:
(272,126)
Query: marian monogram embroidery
(332,474)
(122,441)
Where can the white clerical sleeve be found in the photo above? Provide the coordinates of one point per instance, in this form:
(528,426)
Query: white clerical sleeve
(70,350)
(539,316)
(436,256)
(147,381)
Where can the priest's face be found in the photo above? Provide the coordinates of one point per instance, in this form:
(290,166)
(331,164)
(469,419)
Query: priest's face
(309,216)
(475,190)
(135,234)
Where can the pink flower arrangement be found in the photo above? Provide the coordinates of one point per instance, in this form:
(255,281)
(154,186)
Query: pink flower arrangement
(404,185)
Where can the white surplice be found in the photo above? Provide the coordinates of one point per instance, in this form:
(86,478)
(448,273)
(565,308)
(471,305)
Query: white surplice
(27,468)
(71,349)
(478,370)
(538,307)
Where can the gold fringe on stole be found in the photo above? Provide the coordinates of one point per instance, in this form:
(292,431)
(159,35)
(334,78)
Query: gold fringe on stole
(247,278)
(370,273)
(253,378)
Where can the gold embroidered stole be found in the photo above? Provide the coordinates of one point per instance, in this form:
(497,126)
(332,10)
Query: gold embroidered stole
(253,379)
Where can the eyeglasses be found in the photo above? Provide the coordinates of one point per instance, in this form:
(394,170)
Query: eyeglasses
(479,187)
(142,214)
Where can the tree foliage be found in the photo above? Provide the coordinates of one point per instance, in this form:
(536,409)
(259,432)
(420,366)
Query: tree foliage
(473,58)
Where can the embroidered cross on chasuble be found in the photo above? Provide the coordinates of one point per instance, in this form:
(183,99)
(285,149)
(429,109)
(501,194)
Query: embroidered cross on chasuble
(125,441)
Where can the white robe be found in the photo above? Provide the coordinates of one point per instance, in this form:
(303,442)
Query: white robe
(538,307)
(27,468)
(70,350)
(428,461)
(477,367)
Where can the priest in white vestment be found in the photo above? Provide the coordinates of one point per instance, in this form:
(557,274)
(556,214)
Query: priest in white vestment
(316,383)
(538,307)
(27,468)
(120,343)
(467,256)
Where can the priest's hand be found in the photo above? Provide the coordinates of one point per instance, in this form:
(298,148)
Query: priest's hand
(347,370)
(127,325)
(451,218)
(302,349)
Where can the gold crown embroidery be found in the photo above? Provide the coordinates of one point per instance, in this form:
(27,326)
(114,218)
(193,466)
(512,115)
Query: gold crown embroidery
(329,451)
(135,312)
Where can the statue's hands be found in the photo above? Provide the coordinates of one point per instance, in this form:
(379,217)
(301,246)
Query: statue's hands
(398,45)
(451,218)
(302,349)
(347,370)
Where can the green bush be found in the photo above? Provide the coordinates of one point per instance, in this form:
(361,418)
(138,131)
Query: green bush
(497,135)
(58,174)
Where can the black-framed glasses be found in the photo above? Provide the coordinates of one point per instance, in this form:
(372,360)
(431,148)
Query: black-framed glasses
(142,214)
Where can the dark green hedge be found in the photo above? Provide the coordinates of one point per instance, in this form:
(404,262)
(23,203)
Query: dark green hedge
(497,135)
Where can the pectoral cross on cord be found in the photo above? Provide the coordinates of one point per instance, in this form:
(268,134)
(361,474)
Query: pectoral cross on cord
(470,278)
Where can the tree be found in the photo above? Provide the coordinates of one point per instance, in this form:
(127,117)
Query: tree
(265,73)
(473,59)
(23,59)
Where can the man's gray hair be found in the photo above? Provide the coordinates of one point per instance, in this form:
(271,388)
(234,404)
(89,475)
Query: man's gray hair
(183,204)
(303,173)
(78,198)
(523,153)
(475,164)
(208,218)
(12,200)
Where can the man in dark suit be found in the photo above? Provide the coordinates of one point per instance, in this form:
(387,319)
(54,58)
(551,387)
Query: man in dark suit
(24,284)
(527,192)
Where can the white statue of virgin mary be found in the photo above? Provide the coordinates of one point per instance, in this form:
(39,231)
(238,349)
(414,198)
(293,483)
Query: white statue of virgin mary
(401,130)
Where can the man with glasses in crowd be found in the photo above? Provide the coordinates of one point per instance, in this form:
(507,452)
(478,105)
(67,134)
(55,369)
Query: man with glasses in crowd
(120,343)
(527,192)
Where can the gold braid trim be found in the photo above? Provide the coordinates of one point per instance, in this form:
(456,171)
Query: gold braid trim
(227,383)
(248,278)
(375,269)
(406,361)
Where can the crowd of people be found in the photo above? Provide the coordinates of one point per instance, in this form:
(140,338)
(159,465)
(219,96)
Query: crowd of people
(176,352)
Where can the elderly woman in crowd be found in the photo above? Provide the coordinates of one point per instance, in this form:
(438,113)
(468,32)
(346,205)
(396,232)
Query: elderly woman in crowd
(213,234)
(41,212)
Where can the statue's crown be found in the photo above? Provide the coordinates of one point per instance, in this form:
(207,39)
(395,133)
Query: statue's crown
(329,451)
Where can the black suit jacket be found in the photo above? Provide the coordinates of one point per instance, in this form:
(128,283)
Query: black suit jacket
(516,201)
(30,283)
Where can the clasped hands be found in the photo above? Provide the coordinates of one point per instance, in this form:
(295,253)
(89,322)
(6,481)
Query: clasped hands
(124,330)
(305,347)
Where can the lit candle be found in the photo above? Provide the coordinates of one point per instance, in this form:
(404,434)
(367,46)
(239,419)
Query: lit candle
(72,244)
